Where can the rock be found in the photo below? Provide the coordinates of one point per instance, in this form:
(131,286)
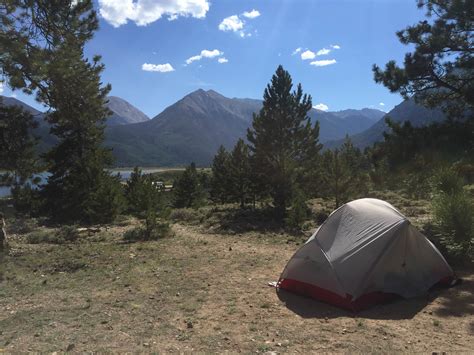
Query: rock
(230,248)
(146,345)
(70,347)
(189,325)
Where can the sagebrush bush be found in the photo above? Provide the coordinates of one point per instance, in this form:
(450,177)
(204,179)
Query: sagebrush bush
(40,237)
(66,234)
(161,230)
(185,215)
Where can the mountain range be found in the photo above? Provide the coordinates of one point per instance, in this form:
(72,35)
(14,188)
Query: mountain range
(194,127)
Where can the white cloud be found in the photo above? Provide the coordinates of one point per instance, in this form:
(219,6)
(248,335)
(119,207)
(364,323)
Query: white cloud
(321,107)
(381,104)
(323,63)
(144,12)
(323,51)
(222,60)
(335,46)
(232,23)
(236,24)
(251,14)
(297,50)
(162,68)
(307,55)
(205,53)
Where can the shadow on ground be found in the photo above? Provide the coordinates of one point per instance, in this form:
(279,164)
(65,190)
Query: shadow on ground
(457,301)
(310,308)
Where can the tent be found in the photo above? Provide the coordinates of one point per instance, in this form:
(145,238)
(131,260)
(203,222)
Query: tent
(366,252)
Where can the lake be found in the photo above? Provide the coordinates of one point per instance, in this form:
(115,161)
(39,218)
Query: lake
(124,174)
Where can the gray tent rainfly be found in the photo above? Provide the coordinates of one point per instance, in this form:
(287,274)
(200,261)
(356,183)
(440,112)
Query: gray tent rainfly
(365,252)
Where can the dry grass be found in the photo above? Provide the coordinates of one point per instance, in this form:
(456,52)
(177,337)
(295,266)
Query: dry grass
(204,290)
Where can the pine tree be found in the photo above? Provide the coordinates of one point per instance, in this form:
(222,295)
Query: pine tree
(439,72)
(282,139)
(344,177)
(187,189)
(17,155)
(43,44)
(240,173)
(142,195)
(220,176)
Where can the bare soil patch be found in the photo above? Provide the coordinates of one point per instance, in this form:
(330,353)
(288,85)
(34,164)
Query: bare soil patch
(202,291)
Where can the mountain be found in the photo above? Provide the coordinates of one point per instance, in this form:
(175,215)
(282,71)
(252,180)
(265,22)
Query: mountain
(193,128)
(372,114)
(123,112)
(335,125)
(46,140)
(408,110)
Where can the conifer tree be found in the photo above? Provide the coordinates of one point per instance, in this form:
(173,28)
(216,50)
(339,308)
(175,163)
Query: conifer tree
(282,139)
(220,177)
(43,44)
(440,70)
(188,190)
(240,173)
(343,173)
(17,152)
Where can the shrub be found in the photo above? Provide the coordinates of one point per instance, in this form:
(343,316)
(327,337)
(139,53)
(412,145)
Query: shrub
(185,215)
(298,213)
(454,220)
(66,234)
(152,230)
(321,216)
(447,181)
(40,237)
(453,211)
(160,230)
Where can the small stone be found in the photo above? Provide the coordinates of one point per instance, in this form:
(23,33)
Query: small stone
(146,345)
(230,248)
(70,347)
(189,325)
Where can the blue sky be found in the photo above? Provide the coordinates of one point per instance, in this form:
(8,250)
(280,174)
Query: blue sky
(238,44)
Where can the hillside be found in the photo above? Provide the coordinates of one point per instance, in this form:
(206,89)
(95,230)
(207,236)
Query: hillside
(46,140)
(193,128)
(408,110)
(123,112)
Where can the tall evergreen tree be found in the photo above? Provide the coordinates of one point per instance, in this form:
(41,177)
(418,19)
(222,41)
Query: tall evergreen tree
(440,70)
(282,138)
(240,173)
(17,152)
(220,176)
(187,189)
(43,44)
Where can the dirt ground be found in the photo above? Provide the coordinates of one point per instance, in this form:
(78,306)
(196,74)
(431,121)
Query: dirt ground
(202,291)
